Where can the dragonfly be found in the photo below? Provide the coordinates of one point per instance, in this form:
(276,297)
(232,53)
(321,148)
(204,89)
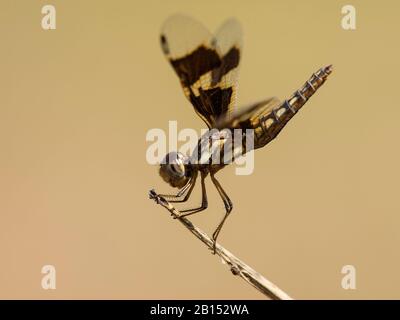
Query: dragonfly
(207,66)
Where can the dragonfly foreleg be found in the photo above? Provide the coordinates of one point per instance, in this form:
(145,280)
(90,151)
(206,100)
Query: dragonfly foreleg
(185,191)
(204,201)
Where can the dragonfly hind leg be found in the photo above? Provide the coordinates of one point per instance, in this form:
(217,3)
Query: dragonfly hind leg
(228,208)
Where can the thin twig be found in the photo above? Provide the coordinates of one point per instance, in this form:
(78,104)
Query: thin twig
(237,266)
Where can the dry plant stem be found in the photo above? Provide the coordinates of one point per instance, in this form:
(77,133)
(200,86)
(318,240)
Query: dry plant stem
(237,266)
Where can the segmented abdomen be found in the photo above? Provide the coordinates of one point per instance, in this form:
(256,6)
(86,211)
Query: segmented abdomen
(269,125)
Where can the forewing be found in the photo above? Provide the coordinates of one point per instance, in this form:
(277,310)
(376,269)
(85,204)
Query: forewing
(206,65)
(229,41)
(187,44)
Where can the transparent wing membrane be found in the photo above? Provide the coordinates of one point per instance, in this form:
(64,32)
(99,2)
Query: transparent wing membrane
(206,65)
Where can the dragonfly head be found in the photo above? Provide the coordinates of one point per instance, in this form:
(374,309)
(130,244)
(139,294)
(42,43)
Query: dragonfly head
(174,169)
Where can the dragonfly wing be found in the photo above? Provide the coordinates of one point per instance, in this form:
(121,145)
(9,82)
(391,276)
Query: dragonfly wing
(204,63)
(246,117)
(229,40)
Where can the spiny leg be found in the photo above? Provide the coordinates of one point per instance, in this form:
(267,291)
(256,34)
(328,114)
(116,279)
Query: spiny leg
(228,207)
(180,191)
(177,197)
(204,201)
(187,188)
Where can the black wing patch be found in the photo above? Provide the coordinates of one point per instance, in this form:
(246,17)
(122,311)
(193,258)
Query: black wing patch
(212,103)
(191,67)
(229,62)
(206,65)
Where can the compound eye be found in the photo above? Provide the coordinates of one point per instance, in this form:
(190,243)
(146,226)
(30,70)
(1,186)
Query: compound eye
(178,169)
(175,164)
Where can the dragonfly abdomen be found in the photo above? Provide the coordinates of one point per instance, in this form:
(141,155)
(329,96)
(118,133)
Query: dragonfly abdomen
(270,124)
(219,148)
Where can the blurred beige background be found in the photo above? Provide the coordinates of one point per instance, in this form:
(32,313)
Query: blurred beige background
(75,106)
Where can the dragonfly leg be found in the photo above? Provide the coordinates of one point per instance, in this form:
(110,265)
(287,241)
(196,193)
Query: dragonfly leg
(186,190)
(228,207)
(204,201)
